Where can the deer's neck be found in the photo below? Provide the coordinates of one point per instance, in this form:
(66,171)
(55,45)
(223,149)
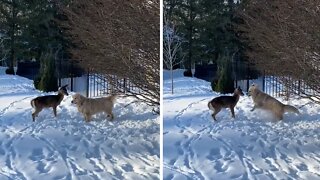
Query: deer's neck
(60,97)
(237,97)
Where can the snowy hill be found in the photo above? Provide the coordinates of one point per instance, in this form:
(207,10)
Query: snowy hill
(66,147)
(251,146)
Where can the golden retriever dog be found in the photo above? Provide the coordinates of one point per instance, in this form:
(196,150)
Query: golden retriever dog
(90,106)
(264,101)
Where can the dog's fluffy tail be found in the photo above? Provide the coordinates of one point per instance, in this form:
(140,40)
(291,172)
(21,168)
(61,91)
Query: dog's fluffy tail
(32,103)
(288,108)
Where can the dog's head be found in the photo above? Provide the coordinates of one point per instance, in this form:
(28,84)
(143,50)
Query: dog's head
(77,99)
(252,89)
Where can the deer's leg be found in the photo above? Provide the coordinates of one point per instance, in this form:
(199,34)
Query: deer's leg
(216,111)
(254,107)
(54,111)
(232,111)
(35,114)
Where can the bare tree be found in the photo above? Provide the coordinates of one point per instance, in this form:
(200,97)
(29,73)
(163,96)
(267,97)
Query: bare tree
(283,40)
(118,38)
(171,47)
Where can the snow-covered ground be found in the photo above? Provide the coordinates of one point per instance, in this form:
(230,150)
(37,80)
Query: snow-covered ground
(66,147)
(251,146)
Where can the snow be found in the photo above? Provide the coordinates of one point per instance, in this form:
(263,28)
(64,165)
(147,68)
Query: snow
(66,147)
(251,146)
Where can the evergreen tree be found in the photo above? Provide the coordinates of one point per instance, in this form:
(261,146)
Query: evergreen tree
(29,28)
(12,20)
(47,80)
(184,14)
(46,40)
(207,28)
(225,83)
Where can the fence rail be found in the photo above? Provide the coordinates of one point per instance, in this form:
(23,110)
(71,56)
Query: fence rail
(94,85)
(278,86)
(99,85)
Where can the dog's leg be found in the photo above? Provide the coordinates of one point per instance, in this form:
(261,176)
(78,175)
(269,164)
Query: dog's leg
(87,117)
(279,115)
(111,116)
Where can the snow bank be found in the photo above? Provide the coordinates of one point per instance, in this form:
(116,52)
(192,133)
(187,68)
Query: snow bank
(65,147)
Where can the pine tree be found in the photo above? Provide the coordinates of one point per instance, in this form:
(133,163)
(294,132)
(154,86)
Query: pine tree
(12,20)
(207,28)
(184,14)
(28,28)
(225,82)
(47,80)
(45,41)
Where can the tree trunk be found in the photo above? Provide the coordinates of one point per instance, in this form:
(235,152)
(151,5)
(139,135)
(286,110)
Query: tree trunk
(189,62)
(171,69)
(12,58)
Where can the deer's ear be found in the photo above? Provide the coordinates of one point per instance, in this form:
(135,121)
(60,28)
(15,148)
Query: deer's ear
(65,86)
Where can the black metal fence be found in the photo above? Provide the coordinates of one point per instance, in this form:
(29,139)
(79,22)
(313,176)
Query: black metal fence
(278,86)
(284,86)
(99,85)
(244,76)
(94,85)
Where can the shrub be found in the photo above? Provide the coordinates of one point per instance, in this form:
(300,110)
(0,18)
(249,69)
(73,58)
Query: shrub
(9,71)
(225,82)
(47,80)
(187,73)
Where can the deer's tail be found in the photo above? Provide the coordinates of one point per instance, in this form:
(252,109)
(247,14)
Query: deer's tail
(32,102)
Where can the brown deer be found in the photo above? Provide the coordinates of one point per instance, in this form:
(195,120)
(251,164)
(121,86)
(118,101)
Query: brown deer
(220,102)
(48,101)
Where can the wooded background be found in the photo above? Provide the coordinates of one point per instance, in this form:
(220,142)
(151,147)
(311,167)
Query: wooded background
(278,38)
(113,38)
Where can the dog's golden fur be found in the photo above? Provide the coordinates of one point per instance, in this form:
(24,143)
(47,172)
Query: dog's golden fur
(90,106)
(264,101)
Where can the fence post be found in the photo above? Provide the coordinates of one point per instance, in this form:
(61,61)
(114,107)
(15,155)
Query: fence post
(263,81)
(87,91)
(124,85)
(59,81)
(299,84)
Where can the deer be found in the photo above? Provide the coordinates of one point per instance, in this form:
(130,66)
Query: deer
(220,102)
(49,101)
